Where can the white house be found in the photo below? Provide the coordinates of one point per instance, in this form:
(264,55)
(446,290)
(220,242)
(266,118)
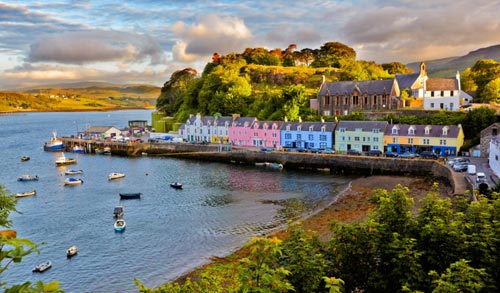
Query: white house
(494,157)
(212,129)
(444,94)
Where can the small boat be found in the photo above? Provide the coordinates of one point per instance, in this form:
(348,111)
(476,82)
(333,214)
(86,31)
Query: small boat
(118,212)
(62,160)
(136,195)
(72,251)
(25,194)
(78,149)
(274,165)
(73,172)
(54,144)
(112,176)
(72,181)
(176,185)
(25,158)
(42,267)
(107,151)
(120,225)
(27,178)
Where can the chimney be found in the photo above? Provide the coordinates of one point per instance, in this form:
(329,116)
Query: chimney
(236,116)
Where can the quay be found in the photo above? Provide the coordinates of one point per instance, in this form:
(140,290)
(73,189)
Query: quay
(336,163)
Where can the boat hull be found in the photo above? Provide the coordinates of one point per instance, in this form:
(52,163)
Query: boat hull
(130,195)
(25,194)
(28,178)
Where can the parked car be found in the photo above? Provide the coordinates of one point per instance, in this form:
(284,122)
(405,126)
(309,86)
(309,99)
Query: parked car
(480,177)
(429,155)
(390,154)
(328,151)
(353,152)
(408,155)
(461,160)
(314,150)
(460,167)
(374,153)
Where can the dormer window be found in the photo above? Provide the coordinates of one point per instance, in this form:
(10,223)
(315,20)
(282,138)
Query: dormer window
(323,128)
(394,130)
(411,131)
(299,128)
(311,128)
(445,130)
(375,130)
(288,127)
(427,130)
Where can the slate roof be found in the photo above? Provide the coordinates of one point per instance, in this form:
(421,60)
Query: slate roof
(406,80)
(240,121)
(441,84)
(261,124)
(305,126)
(366,126)
(435,131)
(365,86)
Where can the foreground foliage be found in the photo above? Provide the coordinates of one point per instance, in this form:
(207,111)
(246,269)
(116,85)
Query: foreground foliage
(439,245)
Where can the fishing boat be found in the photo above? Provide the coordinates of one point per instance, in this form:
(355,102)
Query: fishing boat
(120,225)
(25,194)
(54,144)
(62,160)
(72,251)
(72,181)
(135,195)
(78,149)
(27,177)
(25,158)
(118,212)
(176,185)
(107,151)
(42,267)
(73,172)
(114,175)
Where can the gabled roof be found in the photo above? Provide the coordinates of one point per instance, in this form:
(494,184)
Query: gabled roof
(405,81)
(240,121)
(434,131)
(306,126)
(261,124)
(99,129)
(366,86)
(366,126)
(441,84)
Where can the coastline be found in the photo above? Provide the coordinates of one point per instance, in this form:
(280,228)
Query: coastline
(20,112)
(349,206)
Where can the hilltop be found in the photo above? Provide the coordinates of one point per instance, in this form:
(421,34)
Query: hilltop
(447,67)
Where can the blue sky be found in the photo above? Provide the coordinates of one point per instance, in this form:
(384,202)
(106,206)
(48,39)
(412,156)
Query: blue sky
(49,42)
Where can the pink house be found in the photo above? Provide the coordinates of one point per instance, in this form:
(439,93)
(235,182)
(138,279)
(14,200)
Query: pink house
(240,131)
(266,134)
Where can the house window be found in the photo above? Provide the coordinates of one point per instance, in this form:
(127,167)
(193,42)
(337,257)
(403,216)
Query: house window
(299,128)
(442,93)
(327,100)
(366,100)
(411,131)
(375,139)
(426,141)
(451,106)
(323,129)
(288,136)
(452,93)
(375,147)
(274,134)
(322,137)
(394,140)
(494,131)
(311,128)
(326,113)
(427,130)
(342,138)
(445,130)
(432,105)
(288,127)
(410,140)
(311,136)
(375,130)
(442,142)
(342,130)
(441,106)
(299,137)
(432,93)
(394,131)
(356,138)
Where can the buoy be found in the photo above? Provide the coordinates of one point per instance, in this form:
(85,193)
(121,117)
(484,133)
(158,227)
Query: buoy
(146,174)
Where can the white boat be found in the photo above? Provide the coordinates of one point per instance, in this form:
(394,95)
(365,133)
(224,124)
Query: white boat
(120,225)
(78,149)
(72,251)
(73,172)
(25,194)
(62,160)
(112,176)
(42,267)
(27,177)
(107,151)
(54,144)
(72,181)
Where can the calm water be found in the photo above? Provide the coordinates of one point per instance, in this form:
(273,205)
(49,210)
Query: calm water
(169,232)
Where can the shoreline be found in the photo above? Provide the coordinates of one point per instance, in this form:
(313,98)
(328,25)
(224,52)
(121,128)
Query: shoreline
(75,110)
(349,206)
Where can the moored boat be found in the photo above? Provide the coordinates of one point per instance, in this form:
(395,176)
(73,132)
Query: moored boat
(27,177)
(72,181)
(107,151)
(73,172)
(176,185)
(72,251)
(54,144)
(135,195)
(62,160)
(42,267)
(25,158)
(78,149)
(115,175)
(118,212)
(120,225)
(25,194)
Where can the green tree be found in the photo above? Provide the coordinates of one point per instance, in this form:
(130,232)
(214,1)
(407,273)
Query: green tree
(396,68)
(332,54)
(170,100)
(491,91)
(484,71)
(459,277)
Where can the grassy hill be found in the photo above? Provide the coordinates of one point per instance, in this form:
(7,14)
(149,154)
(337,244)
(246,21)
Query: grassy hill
(447,67)
(80,97)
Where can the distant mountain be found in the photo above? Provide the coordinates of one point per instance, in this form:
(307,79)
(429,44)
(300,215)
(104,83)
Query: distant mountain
(99,89)
(447,67)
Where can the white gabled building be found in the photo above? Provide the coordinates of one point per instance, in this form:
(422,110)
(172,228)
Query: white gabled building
(210,129)
(444,94)
(494,156)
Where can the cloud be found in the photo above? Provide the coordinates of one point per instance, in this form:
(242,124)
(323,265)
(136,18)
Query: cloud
(214,33)
(95,46)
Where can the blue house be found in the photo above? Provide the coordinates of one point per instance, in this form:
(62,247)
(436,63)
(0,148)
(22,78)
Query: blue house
(307,135)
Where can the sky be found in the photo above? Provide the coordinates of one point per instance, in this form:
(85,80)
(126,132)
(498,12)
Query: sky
(144,42)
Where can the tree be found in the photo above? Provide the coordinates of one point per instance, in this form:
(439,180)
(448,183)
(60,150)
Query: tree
(170,100)
(491,91)
(484,71)
(13,249)
(459,277)
(396,68)
(332,54)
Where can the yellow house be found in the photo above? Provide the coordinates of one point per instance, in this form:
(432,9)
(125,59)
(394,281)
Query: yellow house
(444,140)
